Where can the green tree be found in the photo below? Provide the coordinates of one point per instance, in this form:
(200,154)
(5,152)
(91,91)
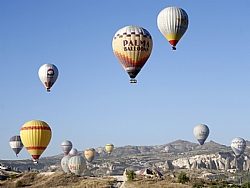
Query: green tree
(182,178)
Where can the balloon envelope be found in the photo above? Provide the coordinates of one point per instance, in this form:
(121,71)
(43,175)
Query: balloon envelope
(132,46)
(35,136)
(167,149)
(172,23)
(77,165)
(66,146)
(64,164)
(238,146)
(201,133)
(90,154)
(16,144)
(48,74)
(109,148)
(73,152)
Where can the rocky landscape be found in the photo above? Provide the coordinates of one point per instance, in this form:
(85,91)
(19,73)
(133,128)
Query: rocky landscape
(209,161)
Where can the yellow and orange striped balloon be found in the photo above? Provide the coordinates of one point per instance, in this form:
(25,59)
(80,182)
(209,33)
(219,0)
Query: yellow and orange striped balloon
(132,46)
(35,136)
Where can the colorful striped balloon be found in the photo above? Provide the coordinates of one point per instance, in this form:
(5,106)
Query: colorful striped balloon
(66,146)
(16,144)
(35,136)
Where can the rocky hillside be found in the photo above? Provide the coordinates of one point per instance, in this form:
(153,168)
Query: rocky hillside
(181,153)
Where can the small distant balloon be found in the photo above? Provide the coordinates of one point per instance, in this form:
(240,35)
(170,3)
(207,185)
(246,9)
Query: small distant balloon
(73,152)
(66,146)
(201,133)
(90,154)
(172,23)
(64,164)
(238,146)
(167,149)
(77,165)
(48,74)
(109,148)
(16,144)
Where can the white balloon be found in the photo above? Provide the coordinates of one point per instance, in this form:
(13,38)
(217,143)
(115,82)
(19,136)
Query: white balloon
(48,74)
(201,133)
(167,149)
(172,23)
(73,152)
(64,164)
(238,146)
(77,165)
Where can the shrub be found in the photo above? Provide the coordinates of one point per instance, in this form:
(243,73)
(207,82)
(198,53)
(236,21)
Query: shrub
(19,184)
(12,176)
(130,175)
(246,185)
(182,178)
(197,186)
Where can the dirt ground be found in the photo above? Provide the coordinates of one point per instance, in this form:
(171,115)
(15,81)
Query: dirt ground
(57,179)
(63,180)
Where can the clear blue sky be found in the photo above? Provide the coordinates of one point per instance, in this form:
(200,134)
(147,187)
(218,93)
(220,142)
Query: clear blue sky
(206,80)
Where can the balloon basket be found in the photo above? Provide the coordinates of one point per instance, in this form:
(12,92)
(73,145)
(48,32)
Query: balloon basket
(133,81)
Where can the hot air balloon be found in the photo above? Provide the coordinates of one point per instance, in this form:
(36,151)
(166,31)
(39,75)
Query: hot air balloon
(48,74)
(201,133)
(73,152)
(64,164)
(66,146)
(35,136)
(89,154)
(132,46)
(109,148)
(167,149)
(16,144)
(238,146)
(77,165)
(172,23)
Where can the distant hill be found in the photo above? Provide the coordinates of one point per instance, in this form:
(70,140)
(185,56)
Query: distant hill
(147,153)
